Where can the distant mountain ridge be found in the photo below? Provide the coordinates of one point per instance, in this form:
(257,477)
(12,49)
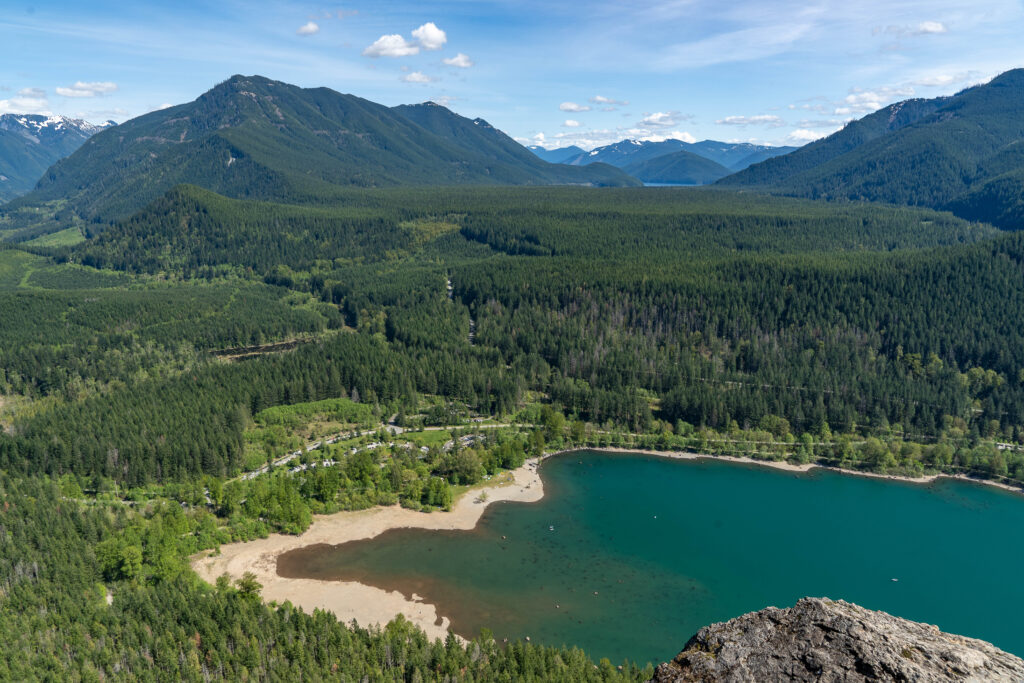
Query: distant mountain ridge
(637,157)
(556,156)
(251,137)
(964,153)
(31,143)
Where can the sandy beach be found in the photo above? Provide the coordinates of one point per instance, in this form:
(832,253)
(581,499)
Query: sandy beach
(350,600)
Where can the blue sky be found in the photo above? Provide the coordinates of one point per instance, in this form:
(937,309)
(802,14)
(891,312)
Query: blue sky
(552,72)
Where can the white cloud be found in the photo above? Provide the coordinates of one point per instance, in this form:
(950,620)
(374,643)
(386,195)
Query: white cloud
(648,136)
(572,106)
(165,105)
(600,99)
(769,120)
(83,89)
(308,29)
(861,101)
(460,60)
(572,123)
(660,119)
(430,36)
(417,77)
(392,45)
(923,29)
(926,27)
(801,136)
(444,100)
(27,101)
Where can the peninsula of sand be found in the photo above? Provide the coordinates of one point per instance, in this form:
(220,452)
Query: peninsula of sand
(349,600)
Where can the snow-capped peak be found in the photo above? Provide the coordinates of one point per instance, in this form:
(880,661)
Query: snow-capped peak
(36,125)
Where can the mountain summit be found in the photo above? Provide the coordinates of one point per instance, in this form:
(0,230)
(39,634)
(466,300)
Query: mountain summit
(251,137)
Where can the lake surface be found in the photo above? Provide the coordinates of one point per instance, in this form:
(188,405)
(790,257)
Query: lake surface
(628,555)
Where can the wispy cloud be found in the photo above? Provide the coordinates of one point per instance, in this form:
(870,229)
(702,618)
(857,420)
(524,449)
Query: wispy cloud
(601,99)
(460,61)
(735,46)
(83,89)
(769,120)
(27,101)
(662,119)
(572,123)
(417,77)
(801,136)
(922,29)
(572,106)
(308,29)
(861,101)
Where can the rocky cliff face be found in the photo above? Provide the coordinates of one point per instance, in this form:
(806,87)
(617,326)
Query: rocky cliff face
(826,640)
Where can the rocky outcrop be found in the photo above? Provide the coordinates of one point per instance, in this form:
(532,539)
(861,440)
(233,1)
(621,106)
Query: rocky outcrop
(827,640)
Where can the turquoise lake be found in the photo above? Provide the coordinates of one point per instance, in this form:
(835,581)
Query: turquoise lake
(628,555)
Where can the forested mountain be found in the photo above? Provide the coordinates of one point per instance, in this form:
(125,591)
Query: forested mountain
(964,153)
(555,156)
(30,144)
(733,156)
(678,168)
(257,138)
(505,159)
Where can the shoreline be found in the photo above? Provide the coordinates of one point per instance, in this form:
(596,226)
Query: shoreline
(351,600)
(788,466)
(368,605)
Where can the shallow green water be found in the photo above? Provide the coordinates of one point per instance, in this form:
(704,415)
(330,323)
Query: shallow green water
(647,550)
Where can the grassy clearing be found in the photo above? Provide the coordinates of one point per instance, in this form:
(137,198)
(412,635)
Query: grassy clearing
(16,266)
(63,238)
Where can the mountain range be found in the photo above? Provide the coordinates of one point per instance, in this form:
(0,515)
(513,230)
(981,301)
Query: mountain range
(689,164)
(30,144)
(964,153)
(556,156)
(251,137)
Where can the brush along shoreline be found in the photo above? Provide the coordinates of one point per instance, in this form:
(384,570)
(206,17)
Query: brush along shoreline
(369,605)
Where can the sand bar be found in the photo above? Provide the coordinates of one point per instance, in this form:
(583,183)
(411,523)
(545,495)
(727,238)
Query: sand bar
(350,600)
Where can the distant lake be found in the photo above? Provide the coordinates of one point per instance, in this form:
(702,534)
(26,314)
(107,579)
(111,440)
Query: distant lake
(672,185)
(628,555)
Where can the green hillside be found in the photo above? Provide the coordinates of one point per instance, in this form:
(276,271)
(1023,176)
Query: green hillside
(251,137)
(681,168)
(963,153)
